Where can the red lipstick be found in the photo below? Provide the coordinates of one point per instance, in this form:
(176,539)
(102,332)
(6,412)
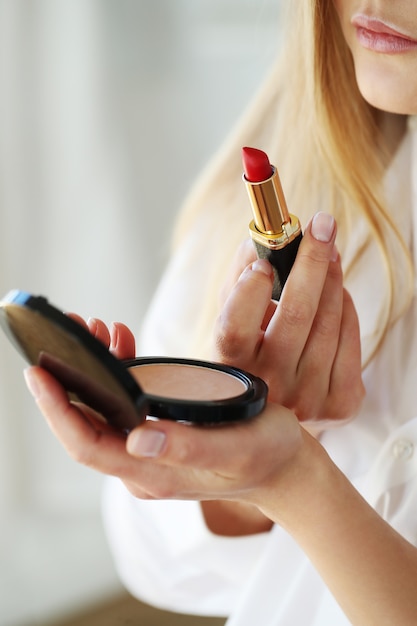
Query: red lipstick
(256,165)
(275,232)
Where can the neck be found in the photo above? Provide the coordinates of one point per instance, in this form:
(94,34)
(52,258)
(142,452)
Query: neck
(393,128)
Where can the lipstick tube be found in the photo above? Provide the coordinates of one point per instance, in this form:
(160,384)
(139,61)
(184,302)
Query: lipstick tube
(275,232)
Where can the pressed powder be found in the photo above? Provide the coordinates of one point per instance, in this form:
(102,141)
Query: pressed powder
(187,382)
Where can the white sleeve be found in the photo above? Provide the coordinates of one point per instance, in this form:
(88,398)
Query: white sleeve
(166,556)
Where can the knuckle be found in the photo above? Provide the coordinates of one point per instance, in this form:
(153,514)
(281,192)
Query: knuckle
(230,338)
(314,255)
(82,455)
(297,312)
(327,325)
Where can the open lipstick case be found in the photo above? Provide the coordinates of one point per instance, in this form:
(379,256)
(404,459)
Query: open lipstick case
(124,393)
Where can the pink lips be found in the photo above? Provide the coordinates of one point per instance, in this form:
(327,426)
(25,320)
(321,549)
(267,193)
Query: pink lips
(376,35)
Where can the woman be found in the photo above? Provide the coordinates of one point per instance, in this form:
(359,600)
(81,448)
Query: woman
(307,515)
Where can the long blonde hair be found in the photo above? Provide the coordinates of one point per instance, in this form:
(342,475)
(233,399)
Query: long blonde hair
(316,127)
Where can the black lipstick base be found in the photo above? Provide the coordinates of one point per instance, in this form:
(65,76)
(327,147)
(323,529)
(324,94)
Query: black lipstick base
(281,260)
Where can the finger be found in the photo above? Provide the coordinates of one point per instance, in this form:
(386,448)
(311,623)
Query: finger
(239,328)
(346,387)
(212,470)
(78,319)
(99,330)
(119,339)
(244,256)
(324,335)
(89,443)
(272,306)
(100,449)
(317,360)
(190,463)
(122,343)
(95,326)
(291,325)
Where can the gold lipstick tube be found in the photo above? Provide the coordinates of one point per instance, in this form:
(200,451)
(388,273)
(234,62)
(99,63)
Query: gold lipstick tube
(276,233)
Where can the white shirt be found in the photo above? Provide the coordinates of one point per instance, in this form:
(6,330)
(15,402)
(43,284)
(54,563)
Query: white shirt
(163,551)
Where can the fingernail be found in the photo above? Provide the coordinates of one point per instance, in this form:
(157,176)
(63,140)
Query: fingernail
(322,227)
(114,336)
(263,266)
(92,325)
(335,254)
(146,443)
(31,382)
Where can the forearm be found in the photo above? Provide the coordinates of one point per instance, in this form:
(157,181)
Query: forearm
(369,568)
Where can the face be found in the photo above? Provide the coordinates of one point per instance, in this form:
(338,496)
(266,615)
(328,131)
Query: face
(382,36)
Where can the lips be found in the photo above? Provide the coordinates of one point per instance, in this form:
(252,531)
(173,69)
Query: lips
(376,35)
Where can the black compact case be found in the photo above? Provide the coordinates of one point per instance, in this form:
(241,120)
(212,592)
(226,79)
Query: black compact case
(92,375)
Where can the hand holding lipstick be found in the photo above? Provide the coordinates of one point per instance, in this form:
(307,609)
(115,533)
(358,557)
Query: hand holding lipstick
(306,346)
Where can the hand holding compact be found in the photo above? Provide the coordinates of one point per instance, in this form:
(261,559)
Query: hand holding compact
(306,346)
(165,459)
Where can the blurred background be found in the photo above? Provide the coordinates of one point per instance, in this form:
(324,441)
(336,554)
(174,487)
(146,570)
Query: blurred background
(108,111)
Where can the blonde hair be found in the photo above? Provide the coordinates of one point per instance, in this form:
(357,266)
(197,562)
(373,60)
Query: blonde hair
(304,118)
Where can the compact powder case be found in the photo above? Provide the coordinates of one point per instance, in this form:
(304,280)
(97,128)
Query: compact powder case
(126,392)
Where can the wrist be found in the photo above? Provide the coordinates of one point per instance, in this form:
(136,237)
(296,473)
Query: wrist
(290,495)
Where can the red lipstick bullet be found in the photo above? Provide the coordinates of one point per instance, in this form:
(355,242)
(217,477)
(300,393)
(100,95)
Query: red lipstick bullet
(256,165)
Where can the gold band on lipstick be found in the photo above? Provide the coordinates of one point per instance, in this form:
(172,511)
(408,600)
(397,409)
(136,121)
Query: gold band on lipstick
(273,226)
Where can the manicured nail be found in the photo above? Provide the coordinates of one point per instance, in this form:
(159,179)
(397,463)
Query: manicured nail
(114,336)
(263,266)
(322,227)
(92,325)
(146,442)
(31,382)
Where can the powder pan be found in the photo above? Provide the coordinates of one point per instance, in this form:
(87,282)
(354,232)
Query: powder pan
(124,393)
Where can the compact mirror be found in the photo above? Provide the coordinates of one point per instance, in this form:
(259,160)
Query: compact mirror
(125,392)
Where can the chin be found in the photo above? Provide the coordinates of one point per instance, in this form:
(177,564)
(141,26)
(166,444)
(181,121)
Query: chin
(390,103)
(390,91)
